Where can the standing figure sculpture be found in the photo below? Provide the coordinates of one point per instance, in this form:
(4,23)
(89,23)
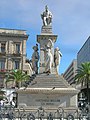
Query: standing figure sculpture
(46,17)
(57,58)
(48,57)
(48,60)
(35,59)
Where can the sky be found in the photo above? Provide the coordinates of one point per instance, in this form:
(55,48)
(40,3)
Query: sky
(71,22)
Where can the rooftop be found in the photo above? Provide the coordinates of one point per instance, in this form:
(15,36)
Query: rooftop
(12,31)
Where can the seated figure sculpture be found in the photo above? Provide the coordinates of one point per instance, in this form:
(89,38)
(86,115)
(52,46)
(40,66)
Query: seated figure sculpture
(46,17)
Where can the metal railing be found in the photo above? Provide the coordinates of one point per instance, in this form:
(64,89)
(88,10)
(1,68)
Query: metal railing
(11,113)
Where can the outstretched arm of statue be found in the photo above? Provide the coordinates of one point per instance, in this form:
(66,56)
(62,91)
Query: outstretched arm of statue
(42,16)
(50,43)
(60,53)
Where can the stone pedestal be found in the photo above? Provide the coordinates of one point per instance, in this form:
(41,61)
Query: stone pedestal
(50,91)
(43,41)
(47,100)
(46,34)
(46,30)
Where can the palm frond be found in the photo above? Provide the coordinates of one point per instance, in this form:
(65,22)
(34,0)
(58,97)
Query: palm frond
(83,72)
(17,76)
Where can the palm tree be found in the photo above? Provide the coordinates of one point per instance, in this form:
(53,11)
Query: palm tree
(83,75)
(17,76)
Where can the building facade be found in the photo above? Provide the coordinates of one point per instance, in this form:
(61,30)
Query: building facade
(12,52)
(70,73)
(84,56)
(84,53)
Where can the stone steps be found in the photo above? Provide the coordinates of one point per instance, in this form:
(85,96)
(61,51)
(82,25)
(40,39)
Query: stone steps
(45,86)
(46,75)
(49,81)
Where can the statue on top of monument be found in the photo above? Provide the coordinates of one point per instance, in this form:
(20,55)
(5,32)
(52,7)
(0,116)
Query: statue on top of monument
(46,17)
(35,59)
(57,58)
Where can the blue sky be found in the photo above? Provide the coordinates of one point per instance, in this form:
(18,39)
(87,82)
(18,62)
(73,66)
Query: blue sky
(71,22)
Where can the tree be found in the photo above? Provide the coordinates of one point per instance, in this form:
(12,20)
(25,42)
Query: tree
(17,76)
(83,75)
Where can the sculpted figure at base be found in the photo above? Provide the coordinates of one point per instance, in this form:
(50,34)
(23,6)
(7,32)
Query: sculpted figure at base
(46,17)
(48,60)
(57,58)
(9,96)
(48,57)
(35,59)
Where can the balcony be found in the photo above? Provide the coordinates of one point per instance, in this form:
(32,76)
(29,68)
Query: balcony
(16,53)
(3,71)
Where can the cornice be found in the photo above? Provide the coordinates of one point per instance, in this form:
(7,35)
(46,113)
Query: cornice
(14,35)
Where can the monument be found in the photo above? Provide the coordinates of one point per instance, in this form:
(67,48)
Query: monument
(48,89)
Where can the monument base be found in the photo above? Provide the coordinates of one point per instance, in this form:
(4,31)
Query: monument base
(38,99)
(48,91)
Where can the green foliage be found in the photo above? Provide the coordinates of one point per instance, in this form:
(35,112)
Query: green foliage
(17,76)
(1,92)
(83,73)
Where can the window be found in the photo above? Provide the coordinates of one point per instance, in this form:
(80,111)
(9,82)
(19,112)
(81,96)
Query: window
(17,63)
(2,49)
(2,65)
(17,48)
